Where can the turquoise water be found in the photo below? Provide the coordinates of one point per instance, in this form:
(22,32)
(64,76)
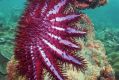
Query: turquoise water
(106,15)
(9,8)
(105,20)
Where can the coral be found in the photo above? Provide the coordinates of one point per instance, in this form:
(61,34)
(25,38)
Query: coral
(11,69)
(3,62)
(106,74)
(114,61)
(6,42)
(111,39)
(6,48)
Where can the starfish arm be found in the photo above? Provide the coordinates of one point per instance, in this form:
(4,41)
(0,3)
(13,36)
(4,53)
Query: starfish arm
(56,8)
(50,63)
(29,64)
(67,57)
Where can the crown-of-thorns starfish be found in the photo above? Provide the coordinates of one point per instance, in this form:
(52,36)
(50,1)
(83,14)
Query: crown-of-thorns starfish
(45,39)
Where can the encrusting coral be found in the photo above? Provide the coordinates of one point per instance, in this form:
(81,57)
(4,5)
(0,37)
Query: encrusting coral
(110,38)
(53,34)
